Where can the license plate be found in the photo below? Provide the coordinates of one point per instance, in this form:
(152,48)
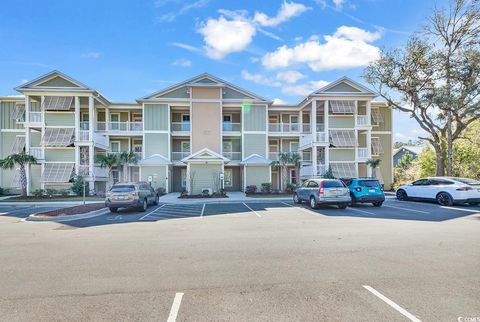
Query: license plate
(121,198)
(371,190)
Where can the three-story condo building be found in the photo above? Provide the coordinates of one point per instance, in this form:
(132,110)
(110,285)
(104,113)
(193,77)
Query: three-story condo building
(190,135)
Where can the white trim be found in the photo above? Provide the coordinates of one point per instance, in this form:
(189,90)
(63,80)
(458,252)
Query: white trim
(119,146)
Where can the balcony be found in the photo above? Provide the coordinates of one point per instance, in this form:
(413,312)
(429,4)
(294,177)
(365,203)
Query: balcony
(180,127)
(309,139)
(273,156)
(177,156)
(98,172)
(362,120)
(84,135)
(37,152)
(284,127)
(363,153)
(234,156)
(35,117)
(119,126)
(306,169)
(231,127)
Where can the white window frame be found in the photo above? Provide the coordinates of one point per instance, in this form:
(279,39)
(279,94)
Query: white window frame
(228,143)
(225,176)
(293,142)
(230,116)
(296,176)
(181,146)
(137,117)
(116,125)
(119,146)
(115,175)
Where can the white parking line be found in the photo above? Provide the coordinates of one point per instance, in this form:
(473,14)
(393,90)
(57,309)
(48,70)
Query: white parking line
(256,213)
(397,307)
(364,211)
(408,209)
(304,209)
(172,317)
(461,209)
(152,211)
(203,210)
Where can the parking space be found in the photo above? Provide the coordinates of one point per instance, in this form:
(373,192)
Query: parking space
(24,211)
(170,211)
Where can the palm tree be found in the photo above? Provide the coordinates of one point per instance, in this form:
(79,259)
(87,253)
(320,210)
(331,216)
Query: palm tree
(109,161)
(286,159)
(127,158)
(373,163)
(22,160)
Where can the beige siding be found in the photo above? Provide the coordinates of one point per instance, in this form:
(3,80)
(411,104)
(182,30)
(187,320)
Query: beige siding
(204,176)
(156,143)
(156,117)
(255,118)
(60,155)
(59,119)
(205,123)
(387,120)
(342,155)
(386,157)
(205,93)
(256,175)
(158,174)
(254,144)
(341,122)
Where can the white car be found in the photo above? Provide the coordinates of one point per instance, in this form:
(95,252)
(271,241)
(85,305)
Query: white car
(444,190)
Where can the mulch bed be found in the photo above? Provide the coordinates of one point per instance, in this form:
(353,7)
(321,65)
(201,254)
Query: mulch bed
(75,210)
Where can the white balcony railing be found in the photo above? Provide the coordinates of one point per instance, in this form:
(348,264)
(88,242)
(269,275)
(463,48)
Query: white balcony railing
(231,127)
(319,137)
(37,152)
(101,126)
(84,135)
(284,127)
(84,125)
(273,156)
(98,172)
(236,156)
(306,169)
(125,126)
(100,139)
(306,127)
(363,120)
(363,153)
(177,156)
(181,126)
(35,117)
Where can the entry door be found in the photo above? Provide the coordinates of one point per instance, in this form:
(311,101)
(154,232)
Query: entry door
(185,122)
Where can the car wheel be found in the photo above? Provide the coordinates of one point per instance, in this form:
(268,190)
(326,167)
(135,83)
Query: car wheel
(402,195)
(353,203)
(313,203)
(342,205)
(113,209)
(378,203)
(156,200)
(296,199)
(444,199)
(144,205)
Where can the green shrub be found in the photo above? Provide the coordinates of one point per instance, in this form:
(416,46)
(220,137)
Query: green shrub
(77,186)
(329,173)
(51,192)
(64,192)
(290,187)
(251,189)
(266,187)
(38,193)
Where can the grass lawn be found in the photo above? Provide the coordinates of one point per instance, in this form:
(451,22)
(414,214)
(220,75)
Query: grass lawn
(35,199)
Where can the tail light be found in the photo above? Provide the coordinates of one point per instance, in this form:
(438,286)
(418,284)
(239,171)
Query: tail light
(464,189)
(135,194)
(320,190)
(358,189)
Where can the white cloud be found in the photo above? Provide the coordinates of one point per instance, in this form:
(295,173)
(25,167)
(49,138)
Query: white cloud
(290,76)
(303,89)
(24,81)
(278,101)
(338,4)
(260,79)
(348,47)
(223,36)
(171,16)
(287,11)
(186,47)
(182,62)
(92,54)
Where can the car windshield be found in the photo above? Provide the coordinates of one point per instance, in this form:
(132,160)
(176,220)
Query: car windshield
(369,183)
(123,188)
(471,182)
(332,184)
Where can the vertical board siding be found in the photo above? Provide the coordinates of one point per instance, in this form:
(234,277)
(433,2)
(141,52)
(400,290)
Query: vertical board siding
(342,155)
(256,175)
(204,176)
(386,157)
(254,144)
(60,155)
(156,117)
(158,173)
(6,111)
(255,117)
(59,119)
(156,143)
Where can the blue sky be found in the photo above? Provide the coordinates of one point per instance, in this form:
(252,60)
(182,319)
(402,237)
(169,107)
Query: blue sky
(279,49)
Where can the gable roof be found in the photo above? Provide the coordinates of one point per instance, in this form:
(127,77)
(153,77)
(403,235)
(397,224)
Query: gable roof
(205,154)
(205,80)
(46,81)
(155,159)
(414,149)
(344,86)
(255,159)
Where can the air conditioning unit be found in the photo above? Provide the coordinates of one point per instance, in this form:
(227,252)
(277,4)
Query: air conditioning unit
(210,191)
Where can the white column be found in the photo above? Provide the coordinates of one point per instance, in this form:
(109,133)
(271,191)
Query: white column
(91,117)
(107,117)
(313,119)
(77,118)
(369,148)
(325,118)
(42,166)
(314,160)
(300,121)
(369,112)
(27,139)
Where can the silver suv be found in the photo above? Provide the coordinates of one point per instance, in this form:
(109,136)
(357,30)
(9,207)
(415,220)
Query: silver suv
(323,191)
(131,194)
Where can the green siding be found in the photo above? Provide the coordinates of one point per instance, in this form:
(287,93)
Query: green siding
(7,179)
(205,176)
(60,155)
(342,155)
(57,82)
(157,172)
(254,118)
(256,175)
(254,144)
(6,111)
(8,139)
(342,88)
(58,119)
(156,117)
(35,138)
(156,143)
(182,92)
(341,122)
(36,176)
(229,93)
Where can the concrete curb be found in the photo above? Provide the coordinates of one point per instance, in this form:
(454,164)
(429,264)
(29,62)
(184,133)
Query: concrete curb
(91,214)
(224,200)
(46,203)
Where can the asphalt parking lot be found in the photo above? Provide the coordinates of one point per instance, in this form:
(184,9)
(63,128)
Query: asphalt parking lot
(252,261)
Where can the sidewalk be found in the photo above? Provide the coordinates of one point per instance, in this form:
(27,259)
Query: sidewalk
(235,196)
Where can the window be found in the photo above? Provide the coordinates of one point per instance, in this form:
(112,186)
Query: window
(293,176)
(84,117)
(343,138)
(294,147)
(421,182)
(185,122)
(115,146)
(312,184)
(294,126)
(332,184)
(342,107)
(227,118)
(227,146)
(468,181)
(115,176)
(183,174)
(123,188)
(369,183)
(137,148)
(440,182)
(136,117)
(115,121)
(19,144)
(227,177)
(185,147)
